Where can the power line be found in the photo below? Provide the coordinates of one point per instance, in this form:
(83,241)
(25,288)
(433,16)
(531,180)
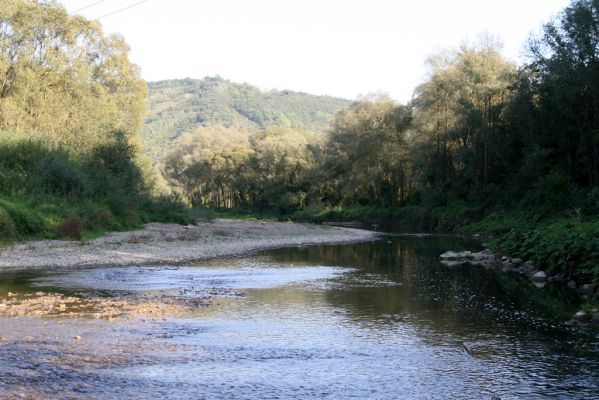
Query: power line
(86,7)
(121,9)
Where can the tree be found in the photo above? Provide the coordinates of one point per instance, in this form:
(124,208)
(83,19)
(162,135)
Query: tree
(62,80)
(564,73)
(365,154)
(460,115)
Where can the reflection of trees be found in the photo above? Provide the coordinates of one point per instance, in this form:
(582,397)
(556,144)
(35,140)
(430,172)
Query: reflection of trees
(16,282)
(447,300)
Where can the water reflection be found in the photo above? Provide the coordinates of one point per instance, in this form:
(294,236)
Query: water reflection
(376,320)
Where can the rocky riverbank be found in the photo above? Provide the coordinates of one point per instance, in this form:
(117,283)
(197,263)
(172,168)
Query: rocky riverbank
(166,244)
(538,276)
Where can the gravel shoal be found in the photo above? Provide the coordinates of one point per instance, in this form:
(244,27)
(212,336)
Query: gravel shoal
(175,244)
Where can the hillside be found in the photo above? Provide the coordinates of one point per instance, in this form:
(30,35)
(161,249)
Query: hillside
(179,106)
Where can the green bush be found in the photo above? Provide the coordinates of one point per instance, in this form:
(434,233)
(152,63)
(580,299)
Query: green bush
(26,219)
(203,214)
(50,192)
(8,229)
(288,202)
(59,175)
(167,209)
(555,245)
(71,228)
(561,246)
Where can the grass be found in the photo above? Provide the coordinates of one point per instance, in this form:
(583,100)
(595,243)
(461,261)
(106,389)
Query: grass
(51,193)
(50,217)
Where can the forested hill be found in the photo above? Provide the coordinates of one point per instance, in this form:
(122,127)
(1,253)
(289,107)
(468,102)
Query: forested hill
(182,105)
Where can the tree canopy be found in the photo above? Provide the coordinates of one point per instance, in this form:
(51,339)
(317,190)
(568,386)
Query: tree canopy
(63,80)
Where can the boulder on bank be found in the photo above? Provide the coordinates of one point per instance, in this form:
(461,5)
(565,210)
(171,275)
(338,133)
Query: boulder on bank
(452,258)
(539,276)
(585,317)
(582,316)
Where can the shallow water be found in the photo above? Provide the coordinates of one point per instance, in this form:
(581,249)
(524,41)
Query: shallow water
(379,320)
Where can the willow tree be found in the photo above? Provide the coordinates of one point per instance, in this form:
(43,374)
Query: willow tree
(62,80)
(459,114)
(284,165)
(366,154)
(207,166)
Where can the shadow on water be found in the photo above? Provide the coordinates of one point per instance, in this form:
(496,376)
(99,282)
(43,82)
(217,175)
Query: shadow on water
(425,286)
(371,320)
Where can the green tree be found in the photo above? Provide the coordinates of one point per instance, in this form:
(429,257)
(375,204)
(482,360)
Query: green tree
(460,117)
(366,154)
(62,80)
(564,74)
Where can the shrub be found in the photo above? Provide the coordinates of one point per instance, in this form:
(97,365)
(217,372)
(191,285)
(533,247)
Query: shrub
(563,245)
(203,214)
(8,230)
(71,229)
(49,192)
(57,174)
(117,160)
(26,219)
(288,202)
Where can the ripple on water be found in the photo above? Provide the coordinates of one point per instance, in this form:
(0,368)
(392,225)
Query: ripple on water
(375,321)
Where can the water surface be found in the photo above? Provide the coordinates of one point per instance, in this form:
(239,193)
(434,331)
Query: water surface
(379,320)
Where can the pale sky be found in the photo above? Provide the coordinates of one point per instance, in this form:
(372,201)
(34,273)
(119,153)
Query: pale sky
(343,48)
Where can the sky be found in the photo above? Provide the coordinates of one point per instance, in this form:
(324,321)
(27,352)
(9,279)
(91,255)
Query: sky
(345,48)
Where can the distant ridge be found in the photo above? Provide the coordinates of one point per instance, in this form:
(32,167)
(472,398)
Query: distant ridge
(182,105)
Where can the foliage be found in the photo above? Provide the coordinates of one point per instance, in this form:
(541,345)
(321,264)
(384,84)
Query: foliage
(353,173)
(62,80)
(8,230)
(565,77)
(557,245)
(49,188)
(177,107)
(71,106)
(268,169)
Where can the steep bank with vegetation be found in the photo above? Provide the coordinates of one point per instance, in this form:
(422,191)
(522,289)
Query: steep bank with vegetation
(71,106)
(482,140)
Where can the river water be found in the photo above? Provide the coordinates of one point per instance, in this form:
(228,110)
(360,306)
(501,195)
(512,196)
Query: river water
(380,320)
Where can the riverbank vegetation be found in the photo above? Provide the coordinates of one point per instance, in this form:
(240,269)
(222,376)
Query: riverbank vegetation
(481,140)
(71,106)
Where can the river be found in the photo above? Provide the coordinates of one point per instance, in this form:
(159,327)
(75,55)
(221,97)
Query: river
(381,320)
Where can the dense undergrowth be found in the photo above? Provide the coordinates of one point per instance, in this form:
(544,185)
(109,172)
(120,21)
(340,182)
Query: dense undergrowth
(52,193)
(566,245)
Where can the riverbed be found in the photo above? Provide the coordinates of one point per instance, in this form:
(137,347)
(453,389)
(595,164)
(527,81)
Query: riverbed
(377,320)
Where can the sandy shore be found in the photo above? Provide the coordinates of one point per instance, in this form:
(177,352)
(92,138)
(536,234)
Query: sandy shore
(175,244)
